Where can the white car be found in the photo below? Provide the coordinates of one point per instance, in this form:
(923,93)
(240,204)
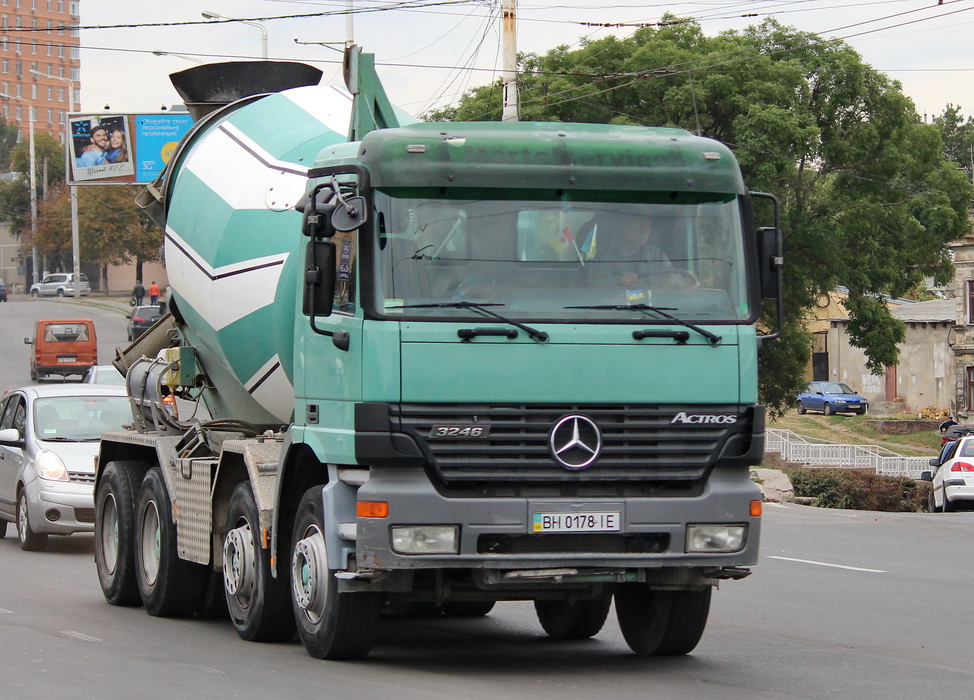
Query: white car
(60,284)
(49,439)
(952,478)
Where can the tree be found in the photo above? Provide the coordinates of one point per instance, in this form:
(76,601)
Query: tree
(9,134)
(112,228)
(869,201)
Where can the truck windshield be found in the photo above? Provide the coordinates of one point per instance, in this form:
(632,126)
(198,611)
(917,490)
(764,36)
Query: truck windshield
(550,260)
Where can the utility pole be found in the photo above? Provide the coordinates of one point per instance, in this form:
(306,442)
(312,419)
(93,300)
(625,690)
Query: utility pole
(509,51)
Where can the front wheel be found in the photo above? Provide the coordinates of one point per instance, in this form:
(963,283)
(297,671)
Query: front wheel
(30,541)
(828,410)
(661,623)
(169,586)
(932,502)
(115,531)
(331,625)
(801,408)
(578,619)
(258,602)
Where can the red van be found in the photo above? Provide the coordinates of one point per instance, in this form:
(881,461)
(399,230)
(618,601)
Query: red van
(62,347)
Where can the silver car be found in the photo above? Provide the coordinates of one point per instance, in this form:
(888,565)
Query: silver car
(48,444)
(103,374)
(59,284)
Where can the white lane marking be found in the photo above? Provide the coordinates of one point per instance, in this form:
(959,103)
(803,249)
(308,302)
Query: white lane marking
(4,611)
(834,566)
(82,637)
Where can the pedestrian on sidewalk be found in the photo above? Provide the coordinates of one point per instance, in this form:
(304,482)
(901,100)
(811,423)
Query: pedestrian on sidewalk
(138,293)
(153,293)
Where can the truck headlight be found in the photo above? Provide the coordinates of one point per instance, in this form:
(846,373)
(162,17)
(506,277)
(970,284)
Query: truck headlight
(425,539)
(720,539)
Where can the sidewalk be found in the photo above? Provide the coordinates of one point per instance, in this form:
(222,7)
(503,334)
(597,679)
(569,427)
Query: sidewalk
(114,303)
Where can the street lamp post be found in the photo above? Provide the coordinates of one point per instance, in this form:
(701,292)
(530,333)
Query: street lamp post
(33,177)
(75,234)
(263,32)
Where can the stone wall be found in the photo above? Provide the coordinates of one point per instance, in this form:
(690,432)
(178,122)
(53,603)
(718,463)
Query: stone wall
(903,427)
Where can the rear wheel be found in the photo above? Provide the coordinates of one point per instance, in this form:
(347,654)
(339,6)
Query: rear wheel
(60,292)
(3,529)
(34,293)
(169,586)
(115,531)
(661,623)
(258,603)
(30,541)
(331,625)
(579,619)
(948,506)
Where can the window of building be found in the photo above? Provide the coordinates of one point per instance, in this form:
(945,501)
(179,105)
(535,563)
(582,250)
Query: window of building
(74,8)
(33,47)
(50,115)
(969,388)
(60,6)
(20,112)
(50,93)
(970,301)
(6,112)
(33,91)
(6,65)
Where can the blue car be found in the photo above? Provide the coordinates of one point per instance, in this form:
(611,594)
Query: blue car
(831,397)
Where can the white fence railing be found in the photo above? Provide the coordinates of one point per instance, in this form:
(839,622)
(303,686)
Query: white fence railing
(820,453)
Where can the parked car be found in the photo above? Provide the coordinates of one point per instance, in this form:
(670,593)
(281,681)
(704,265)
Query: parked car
(3,291)
(48,444)
(955,432)
(952,477)
(59,284)
(62,346)
(831,397)
(141,319)
(103,374)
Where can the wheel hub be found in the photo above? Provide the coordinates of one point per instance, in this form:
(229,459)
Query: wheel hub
(239,563)
(309,572)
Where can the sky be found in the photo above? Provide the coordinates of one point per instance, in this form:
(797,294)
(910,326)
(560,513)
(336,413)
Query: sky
(428,52)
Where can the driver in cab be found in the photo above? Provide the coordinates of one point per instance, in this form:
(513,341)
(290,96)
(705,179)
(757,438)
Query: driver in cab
(622,254)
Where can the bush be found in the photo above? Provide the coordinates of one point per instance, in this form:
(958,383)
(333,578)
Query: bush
(856,490)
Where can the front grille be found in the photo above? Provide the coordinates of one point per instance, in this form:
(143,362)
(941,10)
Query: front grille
(84,515)
(81,477)
(653,543)
(639,443)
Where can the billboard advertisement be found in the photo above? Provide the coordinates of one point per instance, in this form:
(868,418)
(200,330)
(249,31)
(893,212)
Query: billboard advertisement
(122,149)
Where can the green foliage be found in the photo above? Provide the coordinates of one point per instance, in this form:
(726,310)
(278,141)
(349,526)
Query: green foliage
(9,134)
(856,490)
(869,200)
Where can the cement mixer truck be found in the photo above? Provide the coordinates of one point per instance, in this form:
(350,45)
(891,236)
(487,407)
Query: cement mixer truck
(438,365)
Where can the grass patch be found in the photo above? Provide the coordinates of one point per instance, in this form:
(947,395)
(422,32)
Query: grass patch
(854,430)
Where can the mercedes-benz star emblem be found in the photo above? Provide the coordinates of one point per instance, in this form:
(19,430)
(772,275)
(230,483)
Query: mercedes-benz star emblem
(575,441)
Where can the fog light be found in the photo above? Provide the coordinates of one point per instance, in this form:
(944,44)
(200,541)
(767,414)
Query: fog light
(425,539)
(53,515)
(715,538)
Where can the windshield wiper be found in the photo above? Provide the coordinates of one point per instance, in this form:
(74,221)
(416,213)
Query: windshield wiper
(660,310)
(534,333)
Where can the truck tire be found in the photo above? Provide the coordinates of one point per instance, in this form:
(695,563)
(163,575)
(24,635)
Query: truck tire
(259,604)
(578,619)
(115,531)
(3,529)
(30,541)
(169,586)
(331,625)
(661,623)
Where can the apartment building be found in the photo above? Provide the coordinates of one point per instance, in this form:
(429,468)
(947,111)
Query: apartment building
(40,63)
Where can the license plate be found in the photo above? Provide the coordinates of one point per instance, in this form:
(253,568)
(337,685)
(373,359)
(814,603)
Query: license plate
(67,360)
(575,522)
(853,405)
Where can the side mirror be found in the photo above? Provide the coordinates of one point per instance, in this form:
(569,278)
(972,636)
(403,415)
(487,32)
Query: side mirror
(934,462)
(770,261)
(926,476)
(11,437)
(350,214)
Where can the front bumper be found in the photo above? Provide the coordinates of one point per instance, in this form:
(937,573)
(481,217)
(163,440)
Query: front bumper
(497,532)
(60,508)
